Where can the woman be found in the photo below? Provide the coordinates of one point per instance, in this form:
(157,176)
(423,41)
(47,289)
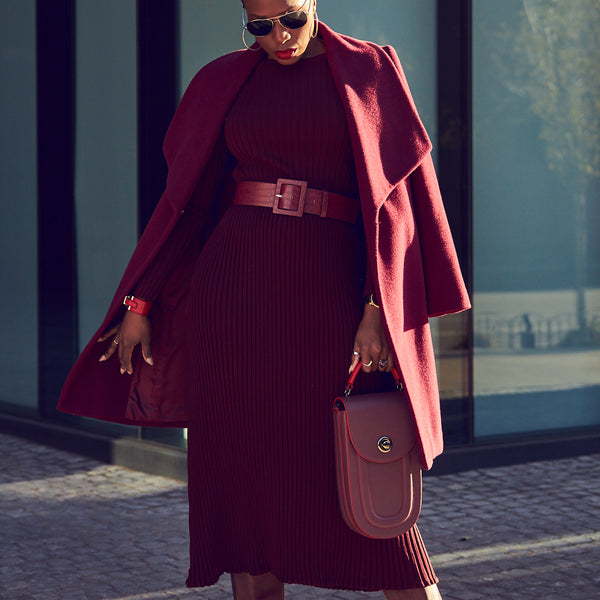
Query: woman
(300,184)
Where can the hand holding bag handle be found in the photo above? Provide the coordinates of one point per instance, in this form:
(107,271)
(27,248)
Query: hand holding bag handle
(377,461)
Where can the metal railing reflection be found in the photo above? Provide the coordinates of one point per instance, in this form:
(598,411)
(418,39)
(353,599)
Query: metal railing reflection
(528,331)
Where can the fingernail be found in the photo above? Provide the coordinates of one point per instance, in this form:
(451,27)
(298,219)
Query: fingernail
(102,358)
(122,370)
(150,361)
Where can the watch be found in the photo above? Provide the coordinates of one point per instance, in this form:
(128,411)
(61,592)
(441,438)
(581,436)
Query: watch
(137,305)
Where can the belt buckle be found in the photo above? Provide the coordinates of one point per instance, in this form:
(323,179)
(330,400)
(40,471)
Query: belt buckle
(280,195)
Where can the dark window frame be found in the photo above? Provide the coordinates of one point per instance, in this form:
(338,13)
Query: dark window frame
(158,74)
(57,268)
(455,171)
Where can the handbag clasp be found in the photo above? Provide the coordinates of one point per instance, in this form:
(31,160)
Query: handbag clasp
(384,444)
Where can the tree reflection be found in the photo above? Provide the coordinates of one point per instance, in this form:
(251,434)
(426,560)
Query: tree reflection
(557,67)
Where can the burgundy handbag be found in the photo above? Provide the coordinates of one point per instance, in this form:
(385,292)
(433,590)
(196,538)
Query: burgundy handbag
(377,461)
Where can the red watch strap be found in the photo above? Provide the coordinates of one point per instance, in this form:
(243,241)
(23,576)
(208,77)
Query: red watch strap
(137,305)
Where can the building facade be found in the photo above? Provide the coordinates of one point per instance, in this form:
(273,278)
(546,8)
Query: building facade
(510,95)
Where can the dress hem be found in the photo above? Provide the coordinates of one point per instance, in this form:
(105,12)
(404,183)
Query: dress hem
(299,581)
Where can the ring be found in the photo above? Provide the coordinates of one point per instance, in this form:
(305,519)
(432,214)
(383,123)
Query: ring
(356,353)
(383,364)
(115,342)
(369,364)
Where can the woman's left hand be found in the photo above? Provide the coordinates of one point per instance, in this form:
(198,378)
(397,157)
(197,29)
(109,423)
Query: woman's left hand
(370,344)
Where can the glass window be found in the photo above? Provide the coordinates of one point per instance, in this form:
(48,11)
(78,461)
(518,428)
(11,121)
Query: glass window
(208,30)
(105,159)
(536,185)
(105,152)
(18,208)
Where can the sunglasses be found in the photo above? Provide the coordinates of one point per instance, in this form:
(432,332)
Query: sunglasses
(292,20)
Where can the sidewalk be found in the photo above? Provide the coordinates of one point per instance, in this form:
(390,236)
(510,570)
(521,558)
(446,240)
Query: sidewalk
(75,529)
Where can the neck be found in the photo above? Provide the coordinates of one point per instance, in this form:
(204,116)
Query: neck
(314,48)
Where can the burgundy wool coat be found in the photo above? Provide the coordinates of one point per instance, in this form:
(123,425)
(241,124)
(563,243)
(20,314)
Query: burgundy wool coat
(409,244)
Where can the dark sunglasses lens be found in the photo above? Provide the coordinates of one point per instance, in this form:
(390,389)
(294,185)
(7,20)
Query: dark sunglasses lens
(294,20)
(260,27)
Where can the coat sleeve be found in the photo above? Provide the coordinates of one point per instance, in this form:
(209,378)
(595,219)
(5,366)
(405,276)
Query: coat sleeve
(445,288)
(201,211)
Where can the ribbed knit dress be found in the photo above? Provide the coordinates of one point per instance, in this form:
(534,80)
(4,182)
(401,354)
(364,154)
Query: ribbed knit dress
(275,304)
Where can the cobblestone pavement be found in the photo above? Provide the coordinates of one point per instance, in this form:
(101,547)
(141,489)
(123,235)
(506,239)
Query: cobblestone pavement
(75,529)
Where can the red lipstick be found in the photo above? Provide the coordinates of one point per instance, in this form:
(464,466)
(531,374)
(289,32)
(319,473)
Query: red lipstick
(285,54)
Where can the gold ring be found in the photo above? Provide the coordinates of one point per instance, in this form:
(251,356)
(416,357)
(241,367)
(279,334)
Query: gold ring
(368,365)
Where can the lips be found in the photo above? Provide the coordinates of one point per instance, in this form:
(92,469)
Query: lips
(285,54)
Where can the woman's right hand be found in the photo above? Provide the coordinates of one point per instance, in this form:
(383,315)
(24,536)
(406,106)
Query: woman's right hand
(132,330)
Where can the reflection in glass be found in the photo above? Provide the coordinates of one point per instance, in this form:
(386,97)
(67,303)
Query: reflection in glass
(536,182)
(18,225)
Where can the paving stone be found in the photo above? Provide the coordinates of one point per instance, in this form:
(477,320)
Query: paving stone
(75,529)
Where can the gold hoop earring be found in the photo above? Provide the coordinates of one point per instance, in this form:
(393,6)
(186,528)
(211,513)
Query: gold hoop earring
(246,43)
(315,25)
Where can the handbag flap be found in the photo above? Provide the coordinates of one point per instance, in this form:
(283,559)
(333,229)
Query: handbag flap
(371,418)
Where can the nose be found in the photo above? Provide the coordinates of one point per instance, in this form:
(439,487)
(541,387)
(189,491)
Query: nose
(280,33)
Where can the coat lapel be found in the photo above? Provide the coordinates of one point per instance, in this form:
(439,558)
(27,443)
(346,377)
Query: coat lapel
(388,138)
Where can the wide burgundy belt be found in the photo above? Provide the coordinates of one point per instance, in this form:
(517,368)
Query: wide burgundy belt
(294,198)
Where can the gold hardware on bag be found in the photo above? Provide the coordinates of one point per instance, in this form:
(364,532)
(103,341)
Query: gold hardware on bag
(384,444)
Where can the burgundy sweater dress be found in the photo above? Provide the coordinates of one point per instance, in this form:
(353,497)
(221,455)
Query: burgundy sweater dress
(275,304)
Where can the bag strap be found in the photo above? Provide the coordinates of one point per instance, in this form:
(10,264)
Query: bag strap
(355,373)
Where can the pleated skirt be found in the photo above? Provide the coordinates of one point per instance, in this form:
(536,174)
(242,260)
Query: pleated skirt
(275,304)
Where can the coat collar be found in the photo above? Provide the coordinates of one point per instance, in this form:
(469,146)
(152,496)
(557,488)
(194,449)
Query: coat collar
(388,138)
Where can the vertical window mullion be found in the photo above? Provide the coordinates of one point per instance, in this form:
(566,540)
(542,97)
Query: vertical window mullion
(157,96)
(455,158)
(57,279)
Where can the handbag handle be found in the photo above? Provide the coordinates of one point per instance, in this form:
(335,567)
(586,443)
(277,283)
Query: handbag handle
(355,373)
